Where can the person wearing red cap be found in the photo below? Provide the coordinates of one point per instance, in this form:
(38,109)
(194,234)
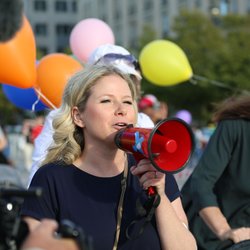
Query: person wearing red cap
(152,107)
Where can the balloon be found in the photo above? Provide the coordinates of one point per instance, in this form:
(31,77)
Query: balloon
(185,115)
(87,35)
(23,98)
(18,58)
(164,63)
(53,72)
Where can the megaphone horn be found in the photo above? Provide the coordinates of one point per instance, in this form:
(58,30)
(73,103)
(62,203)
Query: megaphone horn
(168,145)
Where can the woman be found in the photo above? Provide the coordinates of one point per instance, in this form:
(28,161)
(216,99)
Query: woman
(85,178)
(107,54)
(219,213)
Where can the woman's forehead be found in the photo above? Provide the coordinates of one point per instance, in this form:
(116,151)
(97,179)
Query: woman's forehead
(111,83)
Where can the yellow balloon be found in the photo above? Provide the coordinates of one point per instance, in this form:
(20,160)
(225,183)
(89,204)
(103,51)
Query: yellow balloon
(164,63)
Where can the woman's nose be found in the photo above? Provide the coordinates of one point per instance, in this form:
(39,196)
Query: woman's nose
(120,109)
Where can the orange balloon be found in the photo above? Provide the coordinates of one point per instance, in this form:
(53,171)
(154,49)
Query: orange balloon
(53,72)
(18,58)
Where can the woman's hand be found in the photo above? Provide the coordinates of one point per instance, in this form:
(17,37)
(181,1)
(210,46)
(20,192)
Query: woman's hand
(149,176)
(170,216)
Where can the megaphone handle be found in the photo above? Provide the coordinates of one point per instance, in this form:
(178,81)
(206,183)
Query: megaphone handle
(151,191)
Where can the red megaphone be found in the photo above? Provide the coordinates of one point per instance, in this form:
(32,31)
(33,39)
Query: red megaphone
(168,145)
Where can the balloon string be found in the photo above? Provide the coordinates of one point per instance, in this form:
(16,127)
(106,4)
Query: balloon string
(196,78)
(44,97)
(35,103)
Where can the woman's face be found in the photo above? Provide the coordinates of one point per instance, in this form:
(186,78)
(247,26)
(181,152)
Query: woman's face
(109,108)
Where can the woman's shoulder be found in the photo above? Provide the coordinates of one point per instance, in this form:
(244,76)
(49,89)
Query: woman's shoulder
(55,168)
(51,173)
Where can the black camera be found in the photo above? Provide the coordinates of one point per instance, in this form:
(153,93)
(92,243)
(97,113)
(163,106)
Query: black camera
(67,229)
(13,230)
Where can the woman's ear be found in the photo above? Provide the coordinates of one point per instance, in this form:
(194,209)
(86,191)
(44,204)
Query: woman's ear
(77,118)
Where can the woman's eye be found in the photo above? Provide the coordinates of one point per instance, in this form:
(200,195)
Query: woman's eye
(105,101)
(128,102)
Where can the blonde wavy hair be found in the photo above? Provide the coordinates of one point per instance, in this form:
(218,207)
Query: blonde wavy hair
(68,138)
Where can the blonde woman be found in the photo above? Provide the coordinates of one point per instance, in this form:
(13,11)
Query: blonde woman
(91,182)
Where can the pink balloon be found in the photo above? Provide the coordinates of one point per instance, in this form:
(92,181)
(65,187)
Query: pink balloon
(87,35)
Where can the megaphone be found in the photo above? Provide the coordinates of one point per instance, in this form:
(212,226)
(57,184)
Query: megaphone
(168,146)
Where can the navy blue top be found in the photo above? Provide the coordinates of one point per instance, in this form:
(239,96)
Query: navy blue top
(91,202)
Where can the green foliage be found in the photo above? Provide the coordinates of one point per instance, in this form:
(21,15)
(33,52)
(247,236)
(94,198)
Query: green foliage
(67,51)
(39,54)
(148,35)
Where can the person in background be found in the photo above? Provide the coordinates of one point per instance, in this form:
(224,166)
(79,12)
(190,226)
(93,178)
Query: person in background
(36,128)
(25,143)
(105,54)
(163,111)
(42,143)
(152,107)
(87,179)
(3,146)
(216,197)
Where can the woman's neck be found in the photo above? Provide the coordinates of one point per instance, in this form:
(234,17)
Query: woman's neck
(102,164)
